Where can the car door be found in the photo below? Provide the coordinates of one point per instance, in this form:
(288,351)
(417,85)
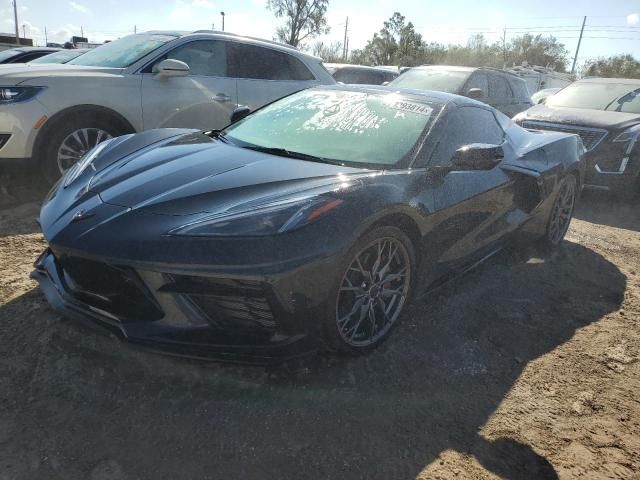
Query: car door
(204,99)
(500,95)
(265,74)
(471,208)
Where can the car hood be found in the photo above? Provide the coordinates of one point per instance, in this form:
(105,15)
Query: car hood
(192,173)
(20,72)
(580,116)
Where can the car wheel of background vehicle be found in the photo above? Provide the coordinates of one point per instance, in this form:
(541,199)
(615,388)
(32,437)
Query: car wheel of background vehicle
(372,291)
(561,212)
(70,138)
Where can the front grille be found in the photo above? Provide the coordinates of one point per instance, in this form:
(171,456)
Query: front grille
(228,304)
(236,311)
(116,290)
(591,137)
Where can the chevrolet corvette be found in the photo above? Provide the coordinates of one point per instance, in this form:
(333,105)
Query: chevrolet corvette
(308,224)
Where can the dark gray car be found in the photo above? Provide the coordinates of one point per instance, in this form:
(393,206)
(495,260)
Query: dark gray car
(502,90)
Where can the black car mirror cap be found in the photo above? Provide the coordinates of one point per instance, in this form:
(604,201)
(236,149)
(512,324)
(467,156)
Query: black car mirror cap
(475,93)
(477,156)
(239,113)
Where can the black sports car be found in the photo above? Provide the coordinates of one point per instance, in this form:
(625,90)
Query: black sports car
(605,112)
(310,222)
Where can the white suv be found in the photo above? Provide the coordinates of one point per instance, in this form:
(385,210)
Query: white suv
(53,114)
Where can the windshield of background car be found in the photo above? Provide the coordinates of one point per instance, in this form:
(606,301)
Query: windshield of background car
(438,79)
(345,126)
(616,97)
(122,52)
(7,54)
(58,57)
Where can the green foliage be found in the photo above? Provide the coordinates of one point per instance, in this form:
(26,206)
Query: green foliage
(303,19)
(616,66)
(397,43)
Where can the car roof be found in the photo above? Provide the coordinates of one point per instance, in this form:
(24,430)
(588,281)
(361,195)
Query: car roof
(626,81)
(432,95)
(36,49)
(218,33)
(359,67)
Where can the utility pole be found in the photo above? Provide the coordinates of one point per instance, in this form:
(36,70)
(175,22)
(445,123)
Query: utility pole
(46,40)
(81,31)
(344,45)
(15,18)
(135,29)
(504,48)
(222,14)
(575,58)
(24,31)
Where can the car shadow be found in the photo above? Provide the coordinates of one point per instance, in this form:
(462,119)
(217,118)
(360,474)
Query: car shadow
(83,404)
(602,208)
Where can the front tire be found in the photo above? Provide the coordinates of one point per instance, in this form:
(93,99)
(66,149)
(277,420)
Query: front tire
(372,291)
(70,138)
(561,212)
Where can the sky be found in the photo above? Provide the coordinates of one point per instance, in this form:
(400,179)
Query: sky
(612,26)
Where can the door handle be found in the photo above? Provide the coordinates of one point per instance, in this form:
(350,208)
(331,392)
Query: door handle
(222,97)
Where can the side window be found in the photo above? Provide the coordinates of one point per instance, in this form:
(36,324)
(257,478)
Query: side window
(204,57)
(250,61)
(498,87)
(478,80)
(464,126)
(520,90)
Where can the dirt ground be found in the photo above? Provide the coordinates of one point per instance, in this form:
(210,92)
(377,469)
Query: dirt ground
(525,368)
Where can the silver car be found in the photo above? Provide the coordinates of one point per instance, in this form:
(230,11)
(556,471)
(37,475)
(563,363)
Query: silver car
(54,114)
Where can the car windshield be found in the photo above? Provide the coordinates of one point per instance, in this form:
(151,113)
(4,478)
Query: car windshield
(617,97)
(343,126)
(439,79)
(7,54)
(122,52)
(58,57)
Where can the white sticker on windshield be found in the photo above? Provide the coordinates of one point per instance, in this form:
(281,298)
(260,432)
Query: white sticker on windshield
(413,107)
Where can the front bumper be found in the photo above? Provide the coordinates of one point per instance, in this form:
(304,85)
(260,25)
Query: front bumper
(19,121)
(176,315)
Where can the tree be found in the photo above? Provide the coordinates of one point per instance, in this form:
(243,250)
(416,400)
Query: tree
(329,52)
(304,19)
(538,50)
(617,66)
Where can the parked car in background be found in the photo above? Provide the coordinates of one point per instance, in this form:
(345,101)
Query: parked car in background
(359,74)
(541,95)
(504,91)
(62,56)
(540,78)
(605,112)
(54,114)
(299,225)
(24,54)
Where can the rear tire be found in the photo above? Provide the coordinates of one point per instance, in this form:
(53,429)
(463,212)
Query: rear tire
(369,296)
(71,137)
(561,212)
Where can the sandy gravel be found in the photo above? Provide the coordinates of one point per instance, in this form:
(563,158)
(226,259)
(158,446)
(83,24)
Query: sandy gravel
(525,368)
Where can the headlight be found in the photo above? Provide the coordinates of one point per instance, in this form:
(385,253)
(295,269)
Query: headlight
(629,135)
(76,170)
(265,219)
(18,94)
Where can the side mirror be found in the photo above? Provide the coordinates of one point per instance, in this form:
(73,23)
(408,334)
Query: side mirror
(384,84)
(239,113)
(475,93)
(171,68)
(477,156)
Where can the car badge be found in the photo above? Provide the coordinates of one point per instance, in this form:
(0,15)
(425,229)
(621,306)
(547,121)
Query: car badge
(81,215)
